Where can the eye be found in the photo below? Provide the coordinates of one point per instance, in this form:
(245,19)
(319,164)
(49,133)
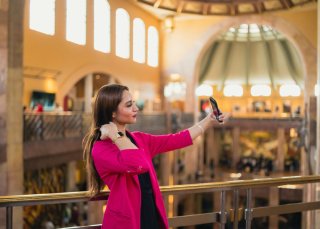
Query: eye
(130,104)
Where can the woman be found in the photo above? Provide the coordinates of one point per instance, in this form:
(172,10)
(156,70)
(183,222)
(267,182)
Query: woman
(123,160)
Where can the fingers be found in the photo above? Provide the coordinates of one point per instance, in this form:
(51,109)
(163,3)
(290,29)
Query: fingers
(108,130)
(104,131)
(223,117)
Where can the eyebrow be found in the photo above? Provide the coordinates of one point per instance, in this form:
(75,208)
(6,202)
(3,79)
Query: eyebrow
(130,101)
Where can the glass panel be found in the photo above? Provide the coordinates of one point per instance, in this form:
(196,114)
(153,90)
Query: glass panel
(153,46)
(139,41)
(42,16)
(76,21)
(102,26)
(122,33)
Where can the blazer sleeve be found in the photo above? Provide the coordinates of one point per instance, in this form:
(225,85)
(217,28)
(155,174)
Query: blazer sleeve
(164,143)
(113,160)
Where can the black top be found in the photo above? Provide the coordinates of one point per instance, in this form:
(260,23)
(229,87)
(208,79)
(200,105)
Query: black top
(149,217)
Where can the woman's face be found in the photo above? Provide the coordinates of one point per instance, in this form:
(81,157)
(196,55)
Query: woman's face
(127,110)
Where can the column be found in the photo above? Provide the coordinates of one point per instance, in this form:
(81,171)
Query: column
(281,150)
(212,152)
(71,177)
(88,92)
(318,123)
(235,146)
(11,116)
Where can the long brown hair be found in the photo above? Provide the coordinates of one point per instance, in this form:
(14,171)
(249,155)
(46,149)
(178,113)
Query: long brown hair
(106,102)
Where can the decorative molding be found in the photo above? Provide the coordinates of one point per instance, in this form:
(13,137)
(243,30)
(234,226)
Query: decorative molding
(226,7)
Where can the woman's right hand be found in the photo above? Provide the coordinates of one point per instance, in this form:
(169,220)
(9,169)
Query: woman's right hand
(108,131)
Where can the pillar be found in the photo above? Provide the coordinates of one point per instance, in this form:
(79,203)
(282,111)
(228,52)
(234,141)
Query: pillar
(281,149)
(11,116)
(318,121)
(212,150)
(88,92)
(235,146)
(71,177)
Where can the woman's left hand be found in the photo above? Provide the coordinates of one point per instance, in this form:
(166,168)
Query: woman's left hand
(223,117)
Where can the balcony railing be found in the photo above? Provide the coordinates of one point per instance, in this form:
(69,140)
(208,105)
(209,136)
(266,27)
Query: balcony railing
(235,214)
(52,126)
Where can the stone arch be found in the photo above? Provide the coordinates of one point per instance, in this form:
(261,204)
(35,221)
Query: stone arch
(306,51)
(70,80)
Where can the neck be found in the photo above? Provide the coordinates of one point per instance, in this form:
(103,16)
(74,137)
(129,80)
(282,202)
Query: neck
(121,127)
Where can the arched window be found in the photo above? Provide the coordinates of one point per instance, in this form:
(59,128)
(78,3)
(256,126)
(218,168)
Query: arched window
(139,41)
(42,16)
(102,26)
(122,33)
(76,21)
(153,46)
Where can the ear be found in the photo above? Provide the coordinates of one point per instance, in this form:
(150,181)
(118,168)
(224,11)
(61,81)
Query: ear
(113,115)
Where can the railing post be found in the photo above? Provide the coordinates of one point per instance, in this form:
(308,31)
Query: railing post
(248,211)
(223,210)
(9,212)
(41,126)
(236,208)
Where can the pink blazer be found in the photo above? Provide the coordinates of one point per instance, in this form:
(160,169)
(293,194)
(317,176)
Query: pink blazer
(119,169)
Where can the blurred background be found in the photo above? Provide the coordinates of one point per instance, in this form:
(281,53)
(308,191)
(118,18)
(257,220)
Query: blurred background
(258,59)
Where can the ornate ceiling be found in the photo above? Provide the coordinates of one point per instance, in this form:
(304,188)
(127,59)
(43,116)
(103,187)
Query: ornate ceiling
(251,54)
(224,7)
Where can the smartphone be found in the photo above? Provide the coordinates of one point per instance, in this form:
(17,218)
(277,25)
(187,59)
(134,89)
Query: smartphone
(215,108)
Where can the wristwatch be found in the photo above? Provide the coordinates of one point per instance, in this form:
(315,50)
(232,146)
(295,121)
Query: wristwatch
(119,135)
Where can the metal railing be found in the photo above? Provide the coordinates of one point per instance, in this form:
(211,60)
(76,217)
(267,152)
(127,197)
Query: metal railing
(49,126)
(235,214)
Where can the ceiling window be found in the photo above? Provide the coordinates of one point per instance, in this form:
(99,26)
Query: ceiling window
(204,90)
(122,33)
(76,21)
(260,90)
(102,26)
(42,16)
(251,32)
(233,90)
(153,46)
(139,41)
(290,90)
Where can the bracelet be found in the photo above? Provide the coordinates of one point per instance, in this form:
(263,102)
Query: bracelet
(201,128)
(119,135)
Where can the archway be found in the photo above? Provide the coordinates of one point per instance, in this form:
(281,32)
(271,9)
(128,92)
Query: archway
(306,51)
(71,80)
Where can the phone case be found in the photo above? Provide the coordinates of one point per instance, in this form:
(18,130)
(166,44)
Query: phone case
(215,108)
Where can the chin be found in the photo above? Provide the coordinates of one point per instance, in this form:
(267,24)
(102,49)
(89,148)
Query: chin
(132,121)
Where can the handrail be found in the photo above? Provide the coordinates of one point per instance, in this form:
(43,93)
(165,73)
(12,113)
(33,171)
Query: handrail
(234,214)
(31,199)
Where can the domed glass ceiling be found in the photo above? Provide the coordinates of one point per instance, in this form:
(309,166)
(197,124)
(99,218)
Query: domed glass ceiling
(251,32)
(251,54)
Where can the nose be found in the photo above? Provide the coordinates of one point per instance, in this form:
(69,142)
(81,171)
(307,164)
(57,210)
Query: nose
(135,108)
